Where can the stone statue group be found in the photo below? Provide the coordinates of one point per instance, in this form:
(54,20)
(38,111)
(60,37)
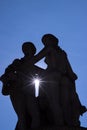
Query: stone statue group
(58,103)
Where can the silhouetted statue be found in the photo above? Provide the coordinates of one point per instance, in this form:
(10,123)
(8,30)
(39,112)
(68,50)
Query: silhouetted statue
(58,103)
(17,82)
(64,102)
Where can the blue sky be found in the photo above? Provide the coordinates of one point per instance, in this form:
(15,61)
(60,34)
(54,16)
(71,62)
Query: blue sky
(29,20)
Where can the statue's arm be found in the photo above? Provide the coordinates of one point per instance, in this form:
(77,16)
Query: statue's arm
(41,54)
(8,76)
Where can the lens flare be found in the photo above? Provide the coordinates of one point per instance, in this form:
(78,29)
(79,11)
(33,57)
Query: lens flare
(37,84)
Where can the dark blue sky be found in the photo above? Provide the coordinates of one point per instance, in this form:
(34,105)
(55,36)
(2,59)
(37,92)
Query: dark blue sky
(28,20)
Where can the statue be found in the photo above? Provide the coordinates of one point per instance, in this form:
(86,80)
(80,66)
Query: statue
(17,82)
(61,93)
(58,103)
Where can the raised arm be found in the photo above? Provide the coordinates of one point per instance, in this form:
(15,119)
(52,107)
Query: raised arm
(41,54)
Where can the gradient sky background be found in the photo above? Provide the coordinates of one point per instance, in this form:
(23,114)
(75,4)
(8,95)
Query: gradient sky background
(28,20)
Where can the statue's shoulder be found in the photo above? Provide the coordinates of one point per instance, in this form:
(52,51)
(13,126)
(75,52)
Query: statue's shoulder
(62,51)
(14,64)
(16,61)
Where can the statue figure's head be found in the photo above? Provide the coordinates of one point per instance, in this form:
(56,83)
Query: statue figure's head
(28,49)
(50,40)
